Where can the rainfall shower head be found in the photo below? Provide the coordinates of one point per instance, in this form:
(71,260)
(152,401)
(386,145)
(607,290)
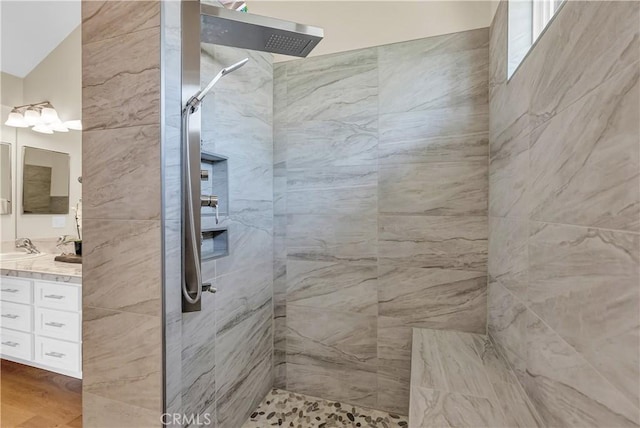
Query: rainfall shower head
(243,30)
(194,102)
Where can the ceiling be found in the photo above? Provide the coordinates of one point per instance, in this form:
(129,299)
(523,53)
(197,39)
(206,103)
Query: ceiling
(357,24)
(30,30)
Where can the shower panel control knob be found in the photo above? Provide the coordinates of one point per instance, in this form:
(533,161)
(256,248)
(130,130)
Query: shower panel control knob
(208,201)
(209,288)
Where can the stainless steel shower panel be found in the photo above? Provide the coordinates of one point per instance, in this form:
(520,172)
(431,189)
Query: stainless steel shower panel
(261,33)
(190,86)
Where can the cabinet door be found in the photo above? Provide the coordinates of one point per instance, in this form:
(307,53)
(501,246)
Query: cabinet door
(58,324)
(57,353)
(16,316)
(57,296)
(15,290)
(16,344)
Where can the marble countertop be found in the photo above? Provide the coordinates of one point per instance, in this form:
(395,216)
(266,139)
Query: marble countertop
(43,267)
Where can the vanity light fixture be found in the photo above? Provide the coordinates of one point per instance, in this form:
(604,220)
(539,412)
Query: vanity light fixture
(75,125)
(42,128)
(16,119)
(43,117)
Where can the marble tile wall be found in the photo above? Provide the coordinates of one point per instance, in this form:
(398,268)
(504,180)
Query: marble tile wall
(458,379)
(122,308)
(172,203)
(226,361)
(564,205)
(380,211)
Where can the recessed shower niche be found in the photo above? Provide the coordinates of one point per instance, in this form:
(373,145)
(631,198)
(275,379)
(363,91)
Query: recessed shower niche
(214,180)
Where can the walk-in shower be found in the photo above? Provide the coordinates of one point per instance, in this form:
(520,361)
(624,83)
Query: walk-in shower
(216,25)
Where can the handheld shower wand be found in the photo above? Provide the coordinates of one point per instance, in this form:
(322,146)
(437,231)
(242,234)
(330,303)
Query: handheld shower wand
(190,291)
(194,102)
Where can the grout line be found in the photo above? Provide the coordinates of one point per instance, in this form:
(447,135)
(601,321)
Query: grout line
(528,219)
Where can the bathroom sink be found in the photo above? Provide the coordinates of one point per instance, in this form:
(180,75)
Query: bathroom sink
(17,255)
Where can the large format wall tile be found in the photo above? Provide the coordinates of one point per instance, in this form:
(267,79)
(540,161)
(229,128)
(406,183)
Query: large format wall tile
(243,365)
(507,325)
(99,411)
(121,361)
(242,293)
(347,287)
(331,381)
(498,34)
(509,254)
(106,19)
(445,134)
(316,144)
(332,354)
(585,58)
(332,191)
(346,90)
(394,364)
(435,72)
(436,188)
(555,369)
(585,162)
(122,265)
(508,171)
(120,84)
(342,338)
(434,242)
(584,284)
(458,379)
(434,298)
(198,360)
(121,170)
(348,238)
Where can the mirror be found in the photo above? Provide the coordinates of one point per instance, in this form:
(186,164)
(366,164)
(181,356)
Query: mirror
(5,178)
(45,182)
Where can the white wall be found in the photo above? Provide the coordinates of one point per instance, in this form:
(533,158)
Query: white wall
(11,88)
(58,79)
(352,25)
(8,135)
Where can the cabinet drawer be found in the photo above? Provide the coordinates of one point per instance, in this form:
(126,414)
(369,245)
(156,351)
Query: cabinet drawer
(56,353)
(57,296)
(58,324)
(16,316)
(15,290)
(16,344)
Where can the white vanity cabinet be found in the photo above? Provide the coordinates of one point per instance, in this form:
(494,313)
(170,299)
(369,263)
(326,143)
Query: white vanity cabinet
(41,324)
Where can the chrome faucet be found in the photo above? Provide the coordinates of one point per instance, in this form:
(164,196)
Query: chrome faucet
(27,245)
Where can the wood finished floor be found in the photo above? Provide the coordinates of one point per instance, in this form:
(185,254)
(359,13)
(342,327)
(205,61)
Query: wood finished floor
(34,398)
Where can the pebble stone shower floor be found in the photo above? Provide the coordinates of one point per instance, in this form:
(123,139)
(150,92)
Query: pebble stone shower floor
(287,409)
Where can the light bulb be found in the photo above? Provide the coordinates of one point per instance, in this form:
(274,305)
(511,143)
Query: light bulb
(43,129)
(49,115)
(32,116)
(75,125)
(16,120)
